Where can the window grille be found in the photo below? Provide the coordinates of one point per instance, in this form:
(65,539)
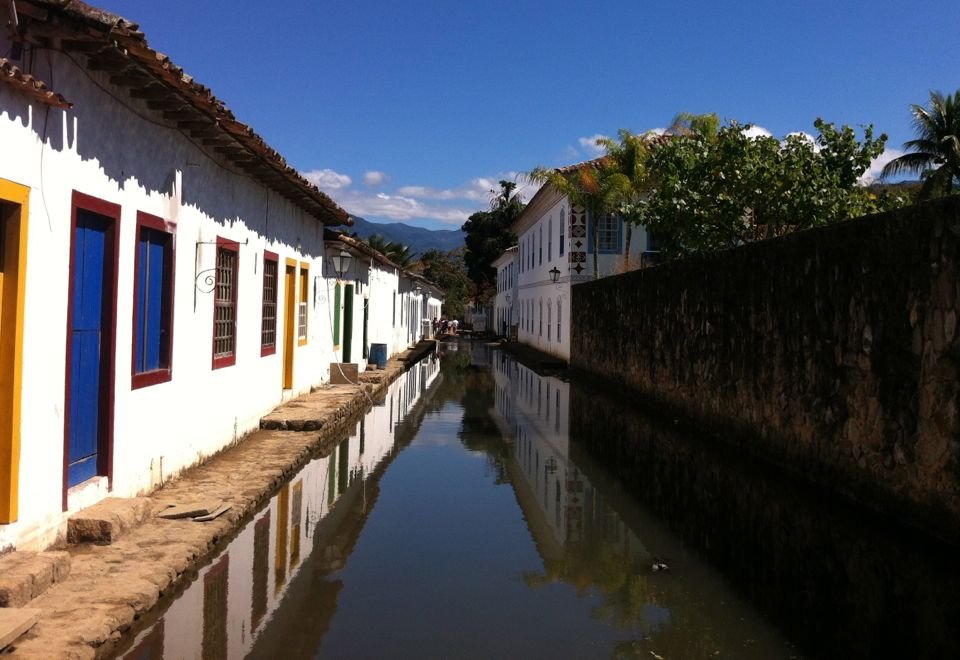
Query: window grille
(225,306)
(302,321)
(268,326)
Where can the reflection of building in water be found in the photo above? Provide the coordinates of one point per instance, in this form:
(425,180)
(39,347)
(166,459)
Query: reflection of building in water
(231,603)
(563,508)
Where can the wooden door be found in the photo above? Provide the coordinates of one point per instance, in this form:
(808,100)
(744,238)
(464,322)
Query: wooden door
(90,347)
(289,323)
(12,228)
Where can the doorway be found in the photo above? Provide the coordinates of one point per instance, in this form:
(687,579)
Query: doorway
(91,323)
(13,229)
(289,326)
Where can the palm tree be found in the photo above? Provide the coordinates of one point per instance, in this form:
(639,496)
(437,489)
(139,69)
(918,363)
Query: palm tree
(935,153)
(396,252)
(630,155)
(595,186)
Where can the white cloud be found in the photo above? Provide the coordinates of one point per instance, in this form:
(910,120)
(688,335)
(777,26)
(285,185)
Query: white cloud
(327,180)
(876,167)
(755,131)
(415,202)
(373,178)
(398,207)
(589,144)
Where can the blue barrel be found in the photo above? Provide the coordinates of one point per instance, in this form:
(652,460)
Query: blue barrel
(378,355)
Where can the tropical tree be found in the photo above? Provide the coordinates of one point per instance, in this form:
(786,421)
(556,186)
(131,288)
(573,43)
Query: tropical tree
(935,153)
(487,234)
(596,186)
(630,155)
(446,269)
(718,190)
(396,252)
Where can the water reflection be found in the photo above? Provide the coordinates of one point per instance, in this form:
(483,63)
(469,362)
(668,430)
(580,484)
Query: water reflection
(490,511)
(245,597)
(591,535)
(840,581)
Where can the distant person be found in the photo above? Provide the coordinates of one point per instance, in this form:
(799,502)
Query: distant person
(456,324)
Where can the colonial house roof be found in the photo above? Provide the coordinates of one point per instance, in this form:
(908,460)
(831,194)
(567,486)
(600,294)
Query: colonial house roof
(116,46)
(11,75)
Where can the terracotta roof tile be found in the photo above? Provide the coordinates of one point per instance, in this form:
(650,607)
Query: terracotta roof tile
(118,45)
(12,75)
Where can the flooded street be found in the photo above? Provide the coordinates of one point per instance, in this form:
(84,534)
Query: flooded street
(485,511)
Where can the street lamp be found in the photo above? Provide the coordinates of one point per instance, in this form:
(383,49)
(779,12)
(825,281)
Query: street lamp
(341,263)
(554,274)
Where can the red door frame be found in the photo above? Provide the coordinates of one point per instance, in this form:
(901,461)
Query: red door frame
(104,458)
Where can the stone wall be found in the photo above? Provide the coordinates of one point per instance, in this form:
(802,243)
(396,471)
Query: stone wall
(833,352)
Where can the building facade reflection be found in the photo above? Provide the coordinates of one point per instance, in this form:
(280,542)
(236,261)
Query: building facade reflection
(234,599)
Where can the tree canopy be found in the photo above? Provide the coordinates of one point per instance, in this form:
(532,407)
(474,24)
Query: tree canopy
(487,235)
(710,189)
(446,269)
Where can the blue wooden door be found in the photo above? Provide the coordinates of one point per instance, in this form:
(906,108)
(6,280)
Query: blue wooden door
(90,300)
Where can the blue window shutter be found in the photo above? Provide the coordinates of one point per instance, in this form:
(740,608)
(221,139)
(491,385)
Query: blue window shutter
(155,298)
(141,301)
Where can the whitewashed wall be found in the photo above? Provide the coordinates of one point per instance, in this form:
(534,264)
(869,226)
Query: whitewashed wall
(542,307)
(112,147)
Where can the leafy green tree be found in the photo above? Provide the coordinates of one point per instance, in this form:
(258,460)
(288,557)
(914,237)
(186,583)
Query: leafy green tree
(447,270)
(597,187)
(718,190)
(935,153)
(487,235)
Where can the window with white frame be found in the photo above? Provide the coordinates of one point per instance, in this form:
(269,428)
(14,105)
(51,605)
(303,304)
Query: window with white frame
(608,234)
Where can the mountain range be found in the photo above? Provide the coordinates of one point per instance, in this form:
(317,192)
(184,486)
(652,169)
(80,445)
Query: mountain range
(419,240)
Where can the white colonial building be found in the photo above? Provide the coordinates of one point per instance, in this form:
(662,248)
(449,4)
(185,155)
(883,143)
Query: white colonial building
(163,280)
(506,267)
(373,301)
(555,251)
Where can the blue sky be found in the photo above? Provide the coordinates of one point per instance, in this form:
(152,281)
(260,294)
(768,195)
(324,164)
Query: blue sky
(411,110)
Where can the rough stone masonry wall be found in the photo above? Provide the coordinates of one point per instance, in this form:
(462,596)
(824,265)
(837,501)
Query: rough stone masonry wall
(833,352)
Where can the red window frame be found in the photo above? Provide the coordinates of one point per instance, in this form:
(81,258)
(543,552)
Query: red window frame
(272,258)
(225,245)
(164,374)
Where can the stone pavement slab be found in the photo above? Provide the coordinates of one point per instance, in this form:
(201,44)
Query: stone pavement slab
(26,575)
(15,622)
(107,520)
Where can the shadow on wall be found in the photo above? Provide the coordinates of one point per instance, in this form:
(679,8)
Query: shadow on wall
(133,147)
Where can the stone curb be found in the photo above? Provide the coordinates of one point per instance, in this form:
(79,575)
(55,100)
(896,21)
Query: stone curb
(111,586)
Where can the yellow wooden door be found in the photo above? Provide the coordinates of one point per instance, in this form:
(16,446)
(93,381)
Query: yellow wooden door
(13,236)
(289,322)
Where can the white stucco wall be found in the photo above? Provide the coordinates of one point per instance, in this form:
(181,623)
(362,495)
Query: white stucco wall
(538,299)
(114,148)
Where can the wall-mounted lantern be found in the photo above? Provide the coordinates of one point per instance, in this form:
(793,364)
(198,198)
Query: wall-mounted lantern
(341,263)
(554,274)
